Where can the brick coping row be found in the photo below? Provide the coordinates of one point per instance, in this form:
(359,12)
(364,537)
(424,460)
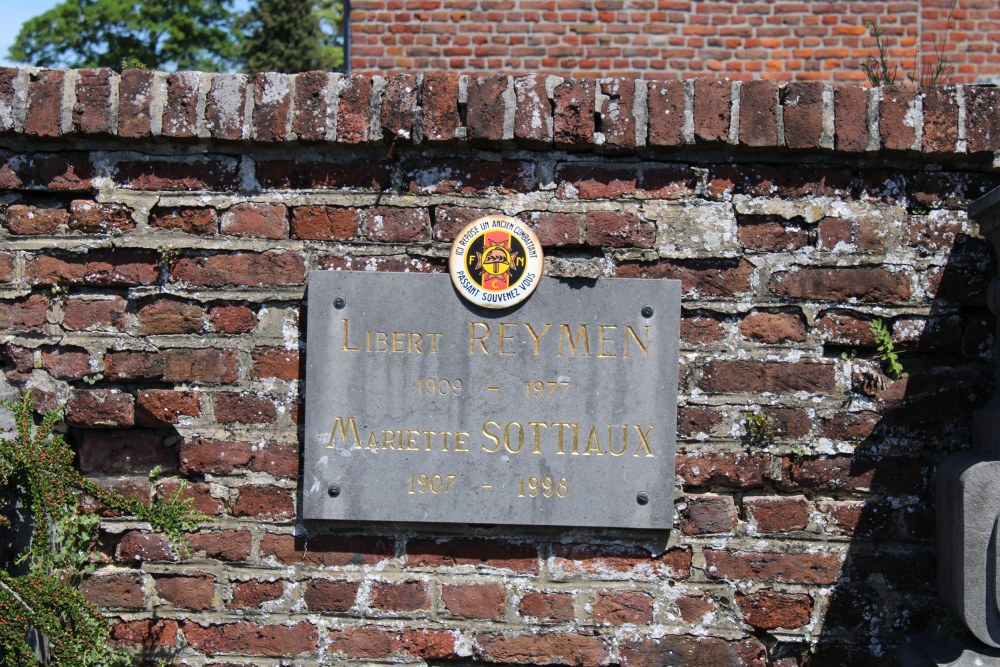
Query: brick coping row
(535,111)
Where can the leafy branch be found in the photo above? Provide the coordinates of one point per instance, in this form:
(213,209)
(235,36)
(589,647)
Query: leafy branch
(886,351)
(36,467)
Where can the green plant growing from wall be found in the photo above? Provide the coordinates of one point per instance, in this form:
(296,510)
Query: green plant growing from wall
(886,350)
(36,470)
(877,69)
(881,71)
(757,430)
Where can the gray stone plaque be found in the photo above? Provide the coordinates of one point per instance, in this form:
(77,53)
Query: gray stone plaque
(421,407)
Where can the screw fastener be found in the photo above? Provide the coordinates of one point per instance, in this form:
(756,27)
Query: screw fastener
(647,311)
(642,498)
(339,302)
(333,490)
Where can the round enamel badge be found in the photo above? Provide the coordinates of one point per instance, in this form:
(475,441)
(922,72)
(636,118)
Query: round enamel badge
(496,261)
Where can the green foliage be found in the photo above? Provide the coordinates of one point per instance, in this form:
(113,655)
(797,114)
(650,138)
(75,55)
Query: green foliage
(58,292)
(886,349)
(878,70)
(36,467)
(162,34)
(291,36)
(757,430)
(132,63)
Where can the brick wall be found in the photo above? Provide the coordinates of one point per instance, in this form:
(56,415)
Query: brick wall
(812,40)
(156,244)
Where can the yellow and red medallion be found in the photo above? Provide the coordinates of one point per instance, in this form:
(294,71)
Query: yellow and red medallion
(496,261)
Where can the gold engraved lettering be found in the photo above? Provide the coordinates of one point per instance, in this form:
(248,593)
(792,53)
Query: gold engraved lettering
(644,444)
(460,437)
(504,337)
(601,341)
(411,440)
(345,346)
(611,449)
(537,337)
(340,426)
(566,335)
(398,341)
(630,333)
(593,443)
(520,438)
(538,426)
(494,438)
(372,441)
(381,341)
(427,435)
(473,338)
(559,442)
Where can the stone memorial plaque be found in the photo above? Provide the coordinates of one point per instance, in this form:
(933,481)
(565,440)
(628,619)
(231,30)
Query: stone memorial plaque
(422,407)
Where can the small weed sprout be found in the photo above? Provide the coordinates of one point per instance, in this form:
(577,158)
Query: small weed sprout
(886,349)
(58,292)
(132,62)
(757,431)
(878,70)
(168,256)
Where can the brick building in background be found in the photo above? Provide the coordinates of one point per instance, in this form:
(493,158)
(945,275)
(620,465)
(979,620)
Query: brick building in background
(811,40)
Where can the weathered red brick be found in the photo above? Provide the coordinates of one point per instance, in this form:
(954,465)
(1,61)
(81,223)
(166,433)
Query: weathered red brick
(8,100)
(711,470)
(226,545)
(331,596)
(171,316)
(134,487)
(776,514)
(217,173)
(399,596)
(711,109)
(93,218)
(114,590)
(694,419)
(233,319)
(362,642)
(573,119)
(595,181)
(547,607)
(572,561)
(483,601)
(399,107)
(200,494)
(842,473)
(541,649)
(195,592)
(693,608)
(140,546)
(100,407)
(616,229)
(309,110)
(275,362)
(45,92)
(65,363)
(707,514)
(440,106)
(200,221)
(328,550)
(83,314)
(844,328)
(738,376)
(254,593)
(491,554)
(867,284)
(98,267)
(173,365)
(246,638)
(354,109)
(940,119)
(132,451)
(264,503)
(447,176)
(773,328)
(324,223)
(850,425)
(273,267)
(759,113)
(267,221)
(147,634)
(92,111)
(768,609)
(390,224)
(32,220)
(616,114)
(896,118)
(983,132)
(6,267)
(135,98)
(693,652)
(225,106)
(850,122)
(485,109)
(234,407)
(699,279)
(815,567)
(158,407)
(272,98)
(554,229)
(665,108)
(200,455)
(23,313)
(180,111)
(356,175)
(621,607)
(841,235)
(532,113)
(803,114)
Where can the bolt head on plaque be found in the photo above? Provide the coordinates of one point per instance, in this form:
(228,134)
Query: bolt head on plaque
(495,261)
